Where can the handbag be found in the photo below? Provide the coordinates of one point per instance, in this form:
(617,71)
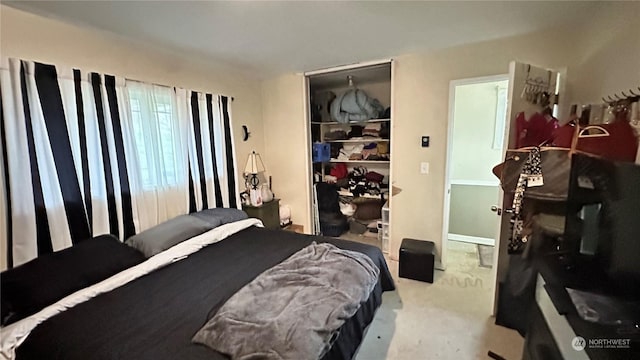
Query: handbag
(523,167)
(555,165)
(616,141)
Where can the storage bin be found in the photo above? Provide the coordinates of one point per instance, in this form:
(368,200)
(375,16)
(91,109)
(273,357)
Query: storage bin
(385,213)
(383,236)
(383,232)
(321,152)
(417,258)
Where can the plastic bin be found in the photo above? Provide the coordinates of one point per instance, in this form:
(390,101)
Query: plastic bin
(321,152)
(383,233)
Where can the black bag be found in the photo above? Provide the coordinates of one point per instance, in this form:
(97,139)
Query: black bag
(556,167)
(328,198)
(333,224)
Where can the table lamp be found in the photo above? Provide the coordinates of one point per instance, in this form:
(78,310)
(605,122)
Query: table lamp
(253,167)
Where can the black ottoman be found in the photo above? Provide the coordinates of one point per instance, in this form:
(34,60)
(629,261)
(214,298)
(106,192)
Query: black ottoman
(416,260)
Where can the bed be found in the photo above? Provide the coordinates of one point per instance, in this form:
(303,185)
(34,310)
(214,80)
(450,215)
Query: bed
(156,316)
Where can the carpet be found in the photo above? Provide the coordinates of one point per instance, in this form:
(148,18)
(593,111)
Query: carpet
(446,320)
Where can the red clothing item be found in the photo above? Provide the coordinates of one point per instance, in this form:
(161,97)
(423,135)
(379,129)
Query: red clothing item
(339,171)
(537,130)
(521,129)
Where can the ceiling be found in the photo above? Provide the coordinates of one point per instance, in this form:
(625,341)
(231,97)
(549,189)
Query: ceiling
(265,38)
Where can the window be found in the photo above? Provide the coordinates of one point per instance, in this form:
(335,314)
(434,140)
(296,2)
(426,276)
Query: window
(157,136)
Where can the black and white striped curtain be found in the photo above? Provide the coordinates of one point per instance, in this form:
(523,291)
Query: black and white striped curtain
(211,158)
(71,165)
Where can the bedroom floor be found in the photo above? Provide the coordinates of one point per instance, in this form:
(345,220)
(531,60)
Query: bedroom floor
(448,319)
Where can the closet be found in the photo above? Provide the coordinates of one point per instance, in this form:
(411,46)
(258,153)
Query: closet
(349,122)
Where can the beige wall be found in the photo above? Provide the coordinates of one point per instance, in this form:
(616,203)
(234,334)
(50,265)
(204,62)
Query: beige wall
(421,108)
(286,154)
(609,60)
(27,36)
(421,95)
(600,58)
(421,98)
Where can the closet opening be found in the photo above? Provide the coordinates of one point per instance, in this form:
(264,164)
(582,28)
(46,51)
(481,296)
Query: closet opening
(477,120)
(349,121)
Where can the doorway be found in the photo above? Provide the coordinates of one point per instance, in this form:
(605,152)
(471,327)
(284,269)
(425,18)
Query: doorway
(477,120)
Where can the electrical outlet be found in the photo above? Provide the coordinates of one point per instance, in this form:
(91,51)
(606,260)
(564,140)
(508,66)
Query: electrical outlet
(424,167)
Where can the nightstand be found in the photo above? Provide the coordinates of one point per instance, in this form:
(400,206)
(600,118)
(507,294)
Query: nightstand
(268,212)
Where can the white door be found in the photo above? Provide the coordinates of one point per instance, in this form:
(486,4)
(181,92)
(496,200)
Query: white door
(522,77)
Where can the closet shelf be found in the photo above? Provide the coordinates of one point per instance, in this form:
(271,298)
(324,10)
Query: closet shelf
(360,161)
(349,123)
(364,140)
(368,196)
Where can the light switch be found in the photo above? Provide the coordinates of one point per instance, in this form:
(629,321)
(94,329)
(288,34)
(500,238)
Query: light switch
(424,167)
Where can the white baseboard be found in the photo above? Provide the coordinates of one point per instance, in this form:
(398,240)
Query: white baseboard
(472,239)
(474,182)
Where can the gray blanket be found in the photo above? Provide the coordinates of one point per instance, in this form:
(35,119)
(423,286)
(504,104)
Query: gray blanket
(292,311)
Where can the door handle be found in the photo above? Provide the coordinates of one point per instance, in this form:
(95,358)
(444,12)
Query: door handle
(496,210)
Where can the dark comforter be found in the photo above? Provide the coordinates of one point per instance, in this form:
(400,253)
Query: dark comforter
(156,316)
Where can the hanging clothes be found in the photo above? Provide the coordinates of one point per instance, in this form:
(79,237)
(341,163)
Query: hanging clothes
(535,131)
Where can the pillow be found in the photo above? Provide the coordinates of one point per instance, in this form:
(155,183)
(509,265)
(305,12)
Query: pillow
(163,236)
(30,287)
(220,216)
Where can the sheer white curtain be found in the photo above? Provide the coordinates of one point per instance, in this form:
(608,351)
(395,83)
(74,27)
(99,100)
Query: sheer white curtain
(156,149)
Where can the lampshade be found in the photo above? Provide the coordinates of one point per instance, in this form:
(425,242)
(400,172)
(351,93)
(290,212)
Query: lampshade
(254,164)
